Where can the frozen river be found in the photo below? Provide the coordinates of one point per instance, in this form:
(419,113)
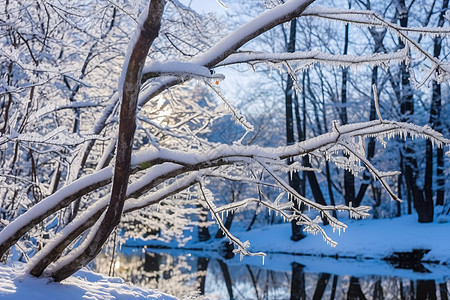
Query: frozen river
(183,273)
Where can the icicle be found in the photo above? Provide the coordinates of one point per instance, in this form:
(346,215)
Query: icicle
(263,260)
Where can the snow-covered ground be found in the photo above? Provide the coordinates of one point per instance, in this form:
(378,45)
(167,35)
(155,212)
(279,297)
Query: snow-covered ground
(369,238)
(362,239)
(83,285)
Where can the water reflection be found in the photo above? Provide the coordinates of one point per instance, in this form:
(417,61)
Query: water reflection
(282,277)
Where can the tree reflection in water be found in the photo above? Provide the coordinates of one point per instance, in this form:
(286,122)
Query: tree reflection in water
(182,274)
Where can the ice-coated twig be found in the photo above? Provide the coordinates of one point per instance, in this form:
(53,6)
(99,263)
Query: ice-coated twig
(241,246)
(377,104)
(237,116)
(377,174)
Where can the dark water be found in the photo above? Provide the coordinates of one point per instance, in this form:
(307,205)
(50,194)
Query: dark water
(190,274)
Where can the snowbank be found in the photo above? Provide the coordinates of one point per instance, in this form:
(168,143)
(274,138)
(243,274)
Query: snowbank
(83,285)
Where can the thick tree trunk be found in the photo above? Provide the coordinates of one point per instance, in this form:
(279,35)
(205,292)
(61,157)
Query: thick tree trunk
(127,125)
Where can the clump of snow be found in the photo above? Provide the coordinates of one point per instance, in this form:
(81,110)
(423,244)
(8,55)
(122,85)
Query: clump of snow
(84,284)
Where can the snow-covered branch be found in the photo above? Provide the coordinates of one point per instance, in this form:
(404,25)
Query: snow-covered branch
(177,163)
(178,68)
(309,58)
(370,18)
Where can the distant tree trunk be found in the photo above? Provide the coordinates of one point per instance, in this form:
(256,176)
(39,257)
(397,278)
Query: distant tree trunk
(349,179)
(202,266)
(378,290)
(426,289)
(255,214)
(294,180)
(424,208)
(203,231)
(402,292)
(229,218)
(254,280)
(298,288)
(399,194)
(443,290)
(227,277)
(301,132)
(322,283)
(152,262)
(378,38)
(333,287)
(325,122)
(354,290)
(435,123)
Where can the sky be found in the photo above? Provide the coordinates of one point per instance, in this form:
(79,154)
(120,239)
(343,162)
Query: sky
(204,6)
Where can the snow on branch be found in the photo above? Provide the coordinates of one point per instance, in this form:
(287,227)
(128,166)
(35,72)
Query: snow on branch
(58,137)
(309,58)
(232,42)
(181,69)
(372,19)
(265,21)
(369,18)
